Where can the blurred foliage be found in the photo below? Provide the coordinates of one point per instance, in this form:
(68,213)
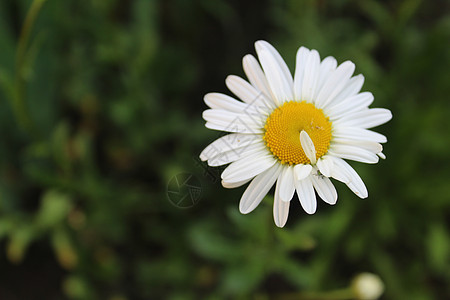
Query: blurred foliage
(100,106)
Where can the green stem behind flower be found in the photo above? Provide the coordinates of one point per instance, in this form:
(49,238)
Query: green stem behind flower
(18,98)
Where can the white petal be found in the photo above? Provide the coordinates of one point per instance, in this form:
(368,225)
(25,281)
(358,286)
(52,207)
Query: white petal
(227,121)
(302,171)
(248,167)
(278,84)
(306,195)
(236,154)
(351,105)
(335,84)
(324,188)
(255,99)
(381,155)
(286,183)
(373,147)
(352,88)
(343,172)
(325,165)
(235,126)
(222,101)
(302,57)
(258,188)
(327,66)
(280,208)
(355,133)
(308,146)
(366,119)
(311,76)
(232,185)
(353,153)
(234,141)
(280,61)
(256,75)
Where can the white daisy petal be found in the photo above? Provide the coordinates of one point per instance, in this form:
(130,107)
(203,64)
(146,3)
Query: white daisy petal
(232,185)
(373,147)
(308,146)
(325,165)
(351,105)
(366,119)
(221,101)
(311,76)
(287,186)
(227,121)
(346,174)
(234,141)
(280,208)
(232,155)
(302,56)
(259,45)
(355,133)
(306,195)
(248,167)
(278,84)
(237,127)
(256,75)
(256,100)
(353,153)
(258,188)
(381,155)
(302,171)
(335,83)
(327,66)
(324,188)
(352,87)
(358,188)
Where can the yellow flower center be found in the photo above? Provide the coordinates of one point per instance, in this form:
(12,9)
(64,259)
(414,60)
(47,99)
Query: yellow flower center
(283,128)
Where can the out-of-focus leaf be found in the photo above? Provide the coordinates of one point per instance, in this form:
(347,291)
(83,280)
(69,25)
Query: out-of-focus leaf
(20,239)
(61,145)
(64,248)
(377,12)
(241,279)
(6,85)
(297,273)
(5,226)
(210,242)
(55,206)
(295,240)
(407,10)
(75,287)
(438,241)
(259,225)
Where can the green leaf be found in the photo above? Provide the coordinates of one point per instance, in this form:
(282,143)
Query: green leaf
(64,249)
(61,146)
(19,241)
(438,241)
(208,241)
(77,287)
(5,226)
(54,208)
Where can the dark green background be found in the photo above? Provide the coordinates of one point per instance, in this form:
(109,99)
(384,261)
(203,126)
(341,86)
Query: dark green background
(103,107)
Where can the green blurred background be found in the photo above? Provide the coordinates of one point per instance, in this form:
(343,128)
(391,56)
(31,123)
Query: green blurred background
(100,107)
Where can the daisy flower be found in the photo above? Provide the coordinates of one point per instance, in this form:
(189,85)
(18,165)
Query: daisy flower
(293,131)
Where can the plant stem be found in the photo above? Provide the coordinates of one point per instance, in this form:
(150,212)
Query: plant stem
(18,99)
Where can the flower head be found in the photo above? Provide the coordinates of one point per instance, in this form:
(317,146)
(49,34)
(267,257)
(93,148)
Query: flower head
(293,131)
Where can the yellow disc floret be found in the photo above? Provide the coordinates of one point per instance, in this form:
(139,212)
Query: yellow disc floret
(283,127)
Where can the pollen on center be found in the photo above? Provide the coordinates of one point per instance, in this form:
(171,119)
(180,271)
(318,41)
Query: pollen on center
(283,127)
